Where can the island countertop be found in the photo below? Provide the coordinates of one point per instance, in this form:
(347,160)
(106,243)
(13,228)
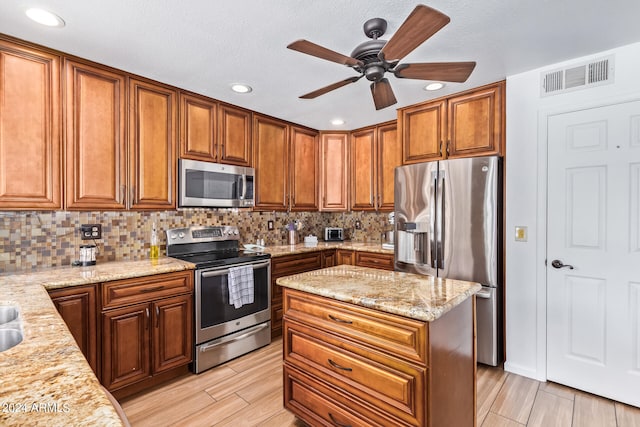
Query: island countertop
(45,380)
(410,295)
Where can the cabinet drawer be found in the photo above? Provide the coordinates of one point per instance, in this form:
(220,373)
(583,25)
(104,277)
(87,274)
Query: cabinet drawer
(383,381)
(321,405)
(400,336)
(292,264)
(141,289)
(374,260)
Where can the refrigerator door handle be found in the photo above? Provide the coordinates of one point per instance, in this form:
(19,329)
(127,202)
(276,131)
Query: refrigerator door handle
(432,225)
(440,225)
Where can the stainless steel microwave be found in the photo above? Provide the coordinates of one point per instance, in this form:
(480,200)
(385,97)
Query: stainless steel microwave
(214,185)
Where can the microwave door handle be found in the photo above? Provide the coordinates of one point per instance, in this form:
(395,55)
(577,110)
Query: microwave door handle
(243,177)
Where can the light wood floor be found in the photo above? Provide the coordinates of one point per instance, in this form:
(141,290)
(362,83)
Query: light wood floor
(248,392)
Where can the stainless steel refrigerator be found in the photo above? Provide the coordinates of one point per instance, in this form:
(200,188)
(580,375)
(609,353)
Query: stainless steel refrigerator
(448,224)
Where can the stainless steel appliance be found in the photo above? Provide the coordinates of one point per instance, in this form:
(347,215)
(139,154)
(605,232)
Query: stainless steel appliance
(448,224)
(205,184)
(222,331)
(333,234)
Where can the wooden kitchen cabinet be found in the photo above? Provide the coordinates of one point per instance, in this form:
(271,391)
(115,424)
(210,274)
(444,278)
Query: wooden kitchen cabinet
(152,145)
(328,258)
(286,164)
(96,140)
(147,330)
(30,124)
(375,152)
(346,364)
(467,124)
(285,266)
(234,136)
(198,128)
(345,256)
(334,177)
(77,307)
(374,260)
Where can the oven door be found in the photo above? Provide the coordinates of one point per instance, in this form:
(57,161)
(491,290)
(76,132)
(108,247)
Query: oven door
(215,317)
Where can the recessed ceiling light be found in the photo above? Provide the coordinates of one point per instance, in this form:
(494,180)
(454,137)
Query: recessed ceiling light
(337,122)
(434,86)
(241,88)
(44,17)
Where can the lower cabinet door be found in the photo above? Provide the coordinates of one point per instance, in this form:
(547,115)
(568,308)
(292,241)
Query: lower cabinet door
(172,333)
(126,343)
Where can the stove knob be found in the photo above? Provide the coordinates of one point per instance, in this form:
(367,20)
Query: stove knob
(174,236)
(181,235)
(235,232)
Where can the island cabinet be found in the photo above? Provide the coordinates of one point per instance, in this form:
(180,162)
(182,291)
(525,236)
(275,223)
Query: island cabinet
(345,364)
(147,330)
(78,308)
(285,266)
(467,124)
(286,162)
(30,128)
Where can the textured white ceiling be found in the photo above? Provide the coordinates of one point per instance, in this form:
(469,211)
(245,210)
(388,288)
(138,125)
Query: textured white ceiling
(205,45)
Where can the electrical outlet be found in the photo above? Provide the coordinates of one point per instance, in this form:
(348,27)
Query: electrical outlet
(270,224)
(358,225)
(90,231)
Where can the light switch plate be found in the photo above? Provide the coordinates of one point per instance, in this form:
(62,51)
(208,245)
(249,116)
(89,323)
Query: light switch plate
(521,233)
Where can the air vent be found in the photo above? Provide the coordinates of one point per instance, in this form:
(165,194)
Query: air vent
(578,76)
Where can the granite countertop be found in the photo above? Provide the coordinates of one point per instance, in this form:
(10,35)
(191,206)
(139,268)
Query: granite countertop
(281,250)
(410,295)
(45,380)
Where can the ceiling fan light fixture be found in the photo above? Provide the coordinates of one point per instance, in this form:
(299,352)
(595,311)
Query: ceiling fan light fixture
(434,86)
(45,17)
(337,122)
(241,88)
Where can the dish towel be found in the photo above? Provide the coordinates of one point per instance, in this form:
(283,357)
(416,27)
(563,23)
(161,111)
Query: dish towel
(240,282)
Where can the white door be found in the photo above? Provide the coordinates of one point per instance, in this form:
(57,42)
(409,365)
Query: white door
(593,310)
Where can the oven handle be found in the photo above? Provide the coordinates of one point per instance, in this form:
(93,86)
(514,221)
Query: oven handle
(251,331)
(225,271)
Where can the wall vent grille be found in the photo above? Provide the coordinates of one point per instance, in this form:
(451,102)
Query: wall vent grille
(577,77)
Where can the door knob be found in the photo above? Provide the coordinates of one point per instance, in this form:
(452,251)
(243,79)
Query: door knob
(556,263)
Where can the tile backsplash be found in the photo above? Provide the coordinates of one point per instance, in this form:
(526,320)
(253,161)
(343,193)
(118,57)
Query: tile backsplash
(31,240)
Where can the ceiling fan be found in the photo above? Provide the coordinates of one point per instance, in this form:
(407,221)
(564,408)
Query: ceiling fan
(373,58)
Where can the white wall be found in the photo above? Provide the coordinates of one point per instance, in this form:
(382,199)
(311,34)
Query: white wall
(525,196)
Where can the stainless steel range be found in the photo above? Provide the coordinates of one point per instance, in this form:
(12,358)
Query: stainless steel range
(223,329)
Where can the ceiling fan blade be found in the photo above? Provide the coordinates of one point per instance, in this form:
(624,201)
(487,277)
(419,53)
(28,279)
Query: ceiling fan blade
(421,24)
(457,72)
(331,87)
(318,51)
(382,94)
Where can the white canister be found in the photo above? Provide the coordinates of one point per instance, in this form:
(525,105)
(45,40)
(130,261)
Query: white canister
(87,254)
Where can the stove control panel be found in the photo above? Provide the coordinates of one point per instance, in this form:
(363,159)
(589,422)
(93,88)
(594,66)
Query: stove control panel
(178,236)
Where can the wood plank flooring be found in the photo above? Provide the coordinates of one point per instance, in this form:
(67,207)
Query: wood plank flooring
(248,392)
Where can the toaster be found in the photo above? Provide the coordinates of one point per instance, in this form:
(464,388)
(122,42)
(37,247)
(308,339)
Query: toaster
(333,234)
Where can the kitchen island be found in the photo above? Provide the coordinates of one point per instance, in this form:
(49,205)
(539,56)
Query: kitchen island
(365,346)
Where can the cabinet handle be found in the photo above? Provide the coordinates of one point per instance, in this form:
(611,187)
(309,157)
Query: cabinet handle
(335,365)
(147,290)
(448,143)
(133,195)
(333,420)
(157,316)
(123,194)
(146,310)
(335,319)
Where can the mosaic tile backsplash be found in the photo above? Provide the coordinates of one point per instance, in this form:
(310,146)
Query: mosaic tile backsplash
(30,240)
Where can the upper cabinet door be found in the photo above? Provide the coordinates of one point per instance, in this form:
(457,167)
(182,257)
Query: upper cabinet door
(270,148)
(363,169)
(30,137)
(476,122)
(304,169)
(334,177)
(423,131)
(389,157)
(198,127)
(152,145)
(96,137)
(235,136)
